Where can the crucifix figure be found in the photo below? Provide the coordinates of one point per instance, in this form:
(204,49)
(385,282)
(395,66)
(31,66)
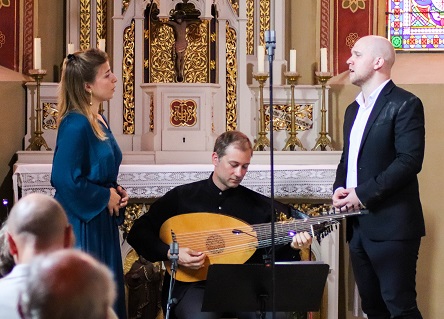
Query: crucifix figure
(179,25)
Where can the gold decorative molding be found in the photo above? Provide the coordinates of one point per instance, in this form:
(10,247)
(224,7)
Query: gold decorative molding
(161,54)
(151,113)
(128,79)
(196,56)
(101,20)
(282,117)
(49,116)
(183,113)
(235,6)
(264,19)
(231,77)
(85,24)
(125,5)
(250,27)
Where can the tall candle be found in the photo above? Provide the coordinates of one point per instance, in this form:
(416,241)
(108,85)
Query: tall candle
(292,60)
(70,48)
(260,59)
(37,53)
(324,60)
(102,44)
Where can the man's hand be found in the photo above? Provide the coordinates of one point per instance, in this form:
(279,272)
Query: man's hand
(190,258)
(301,240)
(346,199)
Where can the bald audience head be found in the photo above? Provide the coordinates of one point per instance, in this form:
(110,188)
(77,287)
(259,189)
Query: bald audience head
(6,259)
(67,284)
(37,224)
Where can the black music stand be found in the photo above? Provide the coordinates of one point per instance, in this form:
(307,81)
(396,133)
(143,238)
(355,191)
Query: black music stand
(299,286)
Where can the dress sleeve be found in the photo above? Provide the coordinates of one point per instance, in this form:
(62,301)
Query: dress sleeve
(72,164)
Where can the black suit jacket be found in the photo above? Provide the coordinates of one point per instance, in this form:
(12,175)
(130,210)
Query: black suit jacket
(390,157)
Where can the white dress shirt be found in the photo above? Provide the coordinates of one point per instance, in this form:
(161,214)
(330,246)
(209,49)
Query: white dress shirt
(365,108)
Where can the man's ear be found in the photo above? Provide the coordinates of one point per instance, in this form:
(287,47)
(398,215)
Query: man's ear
(214,159)
(12,245)
(379,63)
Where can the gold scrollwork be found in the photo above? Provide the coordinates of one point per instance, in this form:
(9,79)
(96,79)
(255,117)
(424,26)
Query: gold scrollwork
(250,27)
(183,113)
(282,117)
(231,78)
(151,112)
(125,5)
(235,6)
(161,53)
(101,19)
(49,117)
(128,79)
(264,19)
(85,24)
(196,56)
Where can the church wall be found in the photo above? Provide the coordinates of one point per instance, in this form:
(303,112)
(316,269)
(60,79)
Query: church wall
(12,130)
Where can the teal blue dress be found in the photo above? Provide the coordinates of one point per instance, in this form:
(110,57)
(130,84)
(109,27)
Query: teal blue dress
(84,168)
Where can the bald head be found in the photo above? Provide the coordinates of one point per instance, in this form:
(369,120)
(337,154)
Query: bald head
(68,284)
(380,47)
(37,224)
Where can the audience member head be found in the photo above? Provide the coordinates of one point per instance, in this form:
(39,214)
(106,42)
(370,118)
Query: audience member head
(80,72)
(371,61)
(67,284)
(231,158)
(37,224)
(6,259)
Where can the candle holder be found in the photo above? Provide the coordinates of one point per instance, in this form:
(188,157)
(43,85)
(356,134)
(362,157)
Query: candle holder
(262,141)
(37,140)
(323,140)
(292,141)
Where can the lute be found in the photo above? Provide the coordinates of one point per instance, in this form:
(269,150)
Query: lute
(228,240)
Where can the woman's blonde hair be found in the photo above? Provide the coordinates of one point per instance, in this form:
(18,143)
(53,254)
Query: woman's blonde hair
(78,69)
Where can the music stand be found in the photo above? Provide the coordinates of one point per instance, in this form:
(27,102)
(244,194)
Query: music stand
(247,287)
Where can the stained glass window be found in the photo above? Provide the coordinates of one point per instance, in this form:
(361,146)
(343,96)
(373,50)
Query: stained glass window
(416,25)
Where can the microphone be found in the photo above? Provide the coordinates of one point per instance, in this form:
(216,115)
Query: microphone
(174,249)
(173,257)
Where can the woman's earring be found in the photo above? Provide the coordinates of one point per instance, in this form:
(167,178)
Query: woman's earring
(91,100)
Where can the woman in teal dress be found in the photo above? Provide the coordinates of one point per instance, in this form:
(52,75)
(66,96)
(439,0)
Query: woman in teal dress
(86,162)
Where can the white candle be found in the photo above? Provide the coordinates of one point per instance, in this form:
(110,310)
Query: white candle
(292,60)
(70,48)
(260,59)
(102,44)
(324,60)
(37,53)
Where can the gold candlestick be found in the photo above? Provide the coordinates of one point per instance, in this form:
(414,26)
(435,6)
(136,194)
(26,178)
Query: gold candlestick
(323,140)
(37,140)
(262,141)
(292,141)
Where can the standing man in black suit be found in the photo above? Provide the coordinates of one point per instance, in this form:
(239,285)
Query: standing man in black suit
(384,139)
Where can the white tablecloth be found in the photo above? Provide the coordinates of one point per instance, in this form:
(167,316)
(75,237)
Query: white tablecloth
(152,181)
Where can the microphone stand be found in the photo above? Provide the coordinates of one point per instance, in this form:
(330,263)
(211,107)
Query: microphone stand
(174,257)
(270,45)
